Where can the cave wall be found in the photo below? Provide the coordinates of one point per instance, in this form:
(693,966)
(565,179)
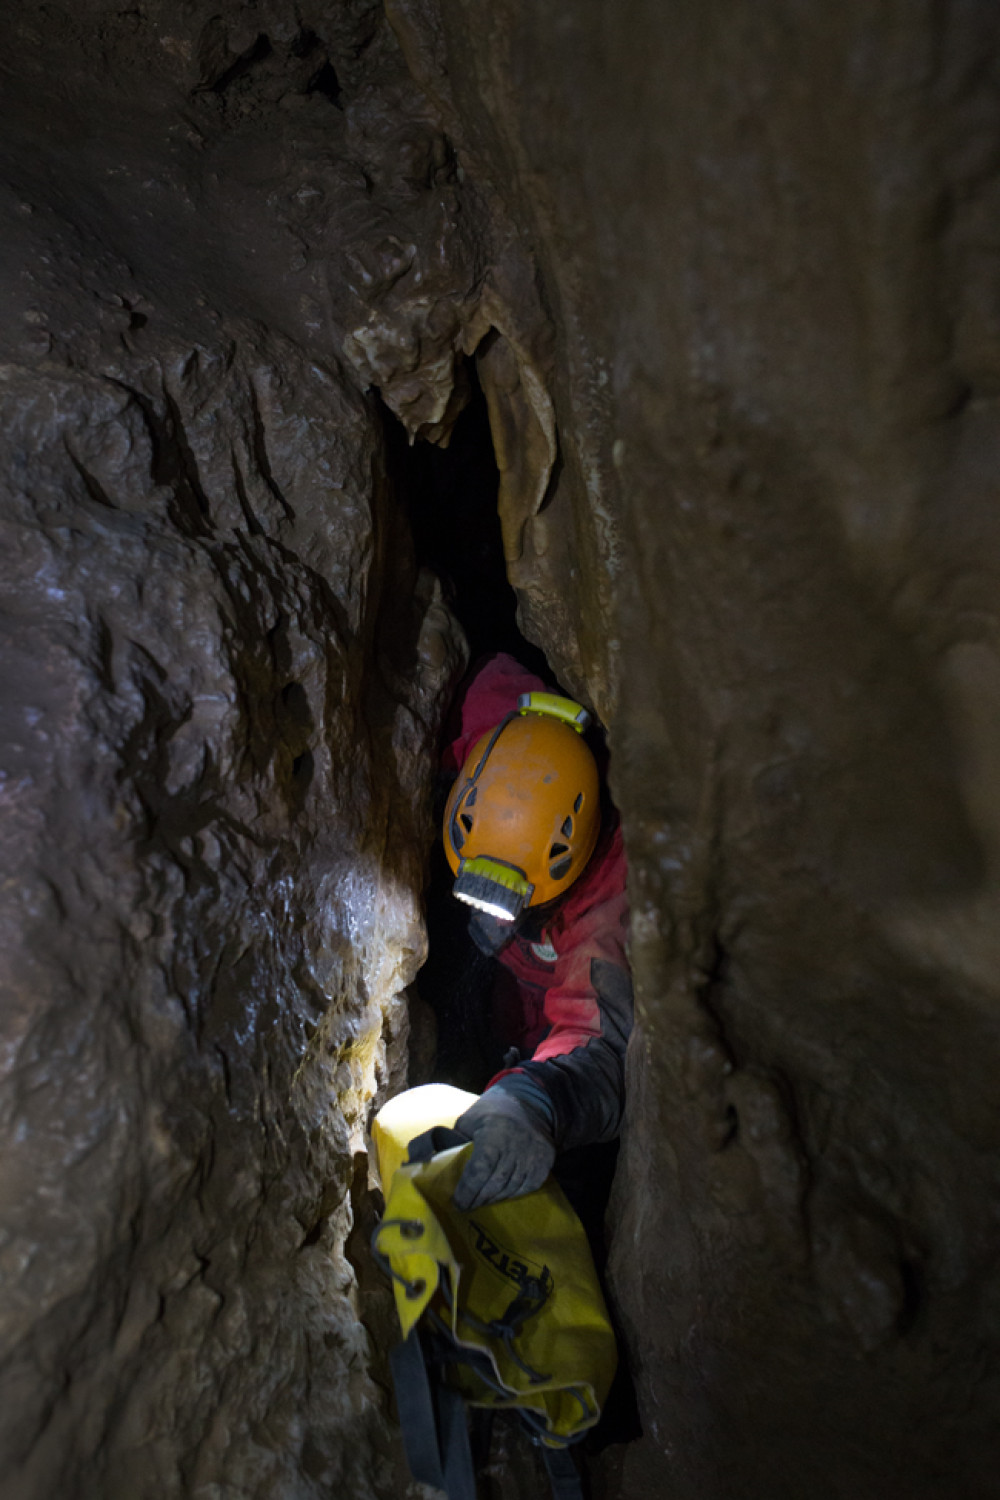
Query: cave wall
(766,244)
(223,676)
(728,274)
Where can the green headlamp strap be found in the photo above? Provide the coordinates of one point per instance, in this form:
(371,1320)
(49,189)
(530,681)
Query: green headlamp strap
(555,707)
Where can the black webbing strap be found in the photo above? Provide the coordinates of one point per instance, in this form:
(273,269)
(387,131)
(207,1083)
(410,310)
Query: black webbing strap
(563,1475)
(436,1435)
(459,1475)
(439,1138)
(432,1419)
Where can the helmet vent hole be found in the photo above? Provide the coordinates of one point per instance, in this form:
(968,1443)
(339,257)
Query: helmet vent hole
(470,800)
(561,870)
(558,849)
(465,821)
(578,803)
(457,837)
(567,829)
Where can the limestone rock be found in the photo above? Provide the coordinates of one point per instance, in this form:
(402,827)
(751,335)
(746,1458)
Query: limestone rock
(223,677)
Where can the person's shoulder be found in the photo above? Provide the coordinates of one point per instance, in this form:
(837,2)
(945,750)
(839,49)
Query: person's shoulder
(490,690)
(503,674)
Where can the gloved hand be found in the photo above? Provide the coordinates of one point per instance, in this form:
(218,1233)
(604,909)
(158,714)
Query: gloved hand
(513,1150)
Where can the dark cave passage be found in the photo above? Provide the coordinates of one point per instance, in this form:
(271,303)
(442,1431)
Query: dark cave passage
(451,498)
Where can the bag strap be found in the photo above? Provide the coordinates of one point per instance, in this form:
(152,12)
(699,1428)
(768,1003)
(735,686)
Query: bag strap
(432,1419)
(436,1435)
(439,1138)
(431,1413)
(563,1476)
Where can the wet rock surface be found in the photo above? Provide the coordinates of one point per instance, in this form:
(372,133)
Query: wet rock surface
(223,679)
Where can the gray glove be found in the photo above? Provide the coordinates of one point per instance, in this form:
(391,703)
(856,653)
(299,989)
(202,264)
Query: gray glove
(513,1150)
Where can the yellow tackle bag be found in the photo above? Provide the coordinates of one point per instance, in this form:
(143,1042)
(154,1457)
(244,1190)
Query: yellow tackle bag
(500,1307)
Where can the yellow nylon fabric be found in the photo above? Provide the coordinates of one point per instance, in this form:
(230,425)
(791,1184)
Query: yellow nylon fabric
(481,1256)
(408,1115)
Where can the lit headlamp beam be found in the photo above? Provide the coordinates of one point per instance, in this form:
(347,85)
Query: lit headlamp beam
(488,906)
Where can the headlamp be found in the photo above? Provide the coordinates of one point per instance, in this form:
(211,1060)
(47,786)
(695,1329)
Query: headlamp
(492,886)
(555,707)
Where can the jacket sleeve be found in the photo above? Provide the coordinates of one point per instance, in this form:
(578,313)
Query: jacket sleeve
(577,1073)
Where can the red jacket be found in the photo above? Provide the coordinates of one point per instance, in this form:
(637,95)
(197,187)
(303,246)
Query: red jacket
(572,976)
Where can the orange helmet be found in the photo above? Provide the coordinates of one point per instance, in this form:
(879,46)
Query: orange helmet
(523,817)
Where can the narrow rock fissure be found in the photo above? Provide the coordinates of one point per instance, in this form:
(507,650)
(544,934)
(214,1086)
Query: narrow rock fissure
(450,499)
(450,495)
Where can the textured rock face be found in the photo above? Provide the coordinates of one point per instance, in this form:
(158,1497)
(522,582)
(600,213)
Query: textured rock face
(222,681)
(766,236)
(729,276)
